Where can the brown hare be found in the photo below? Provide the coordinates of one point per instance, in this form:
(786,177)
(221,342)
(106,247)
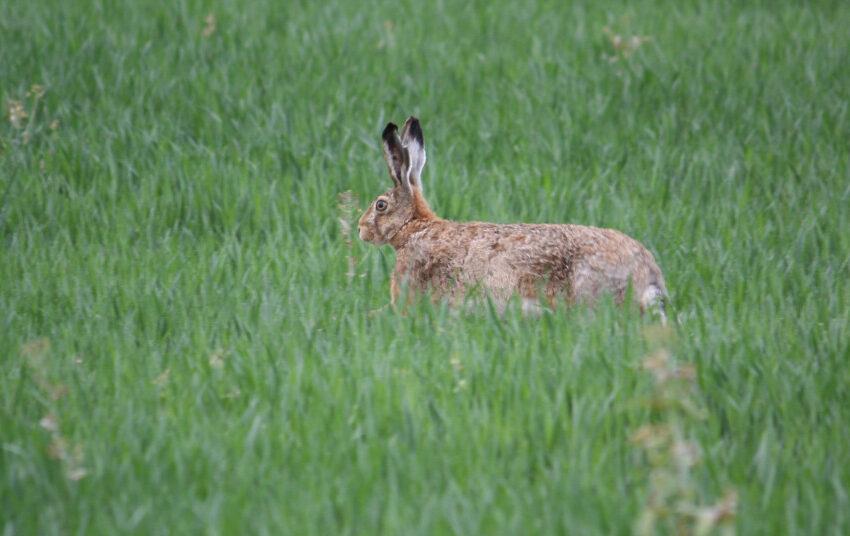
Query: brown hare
(574,263)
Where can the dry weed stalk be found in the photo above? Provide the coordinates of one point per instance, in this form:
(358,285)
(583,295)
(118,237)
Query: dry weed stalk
(388,37)
(71,456)
(209,25)
(346,208)
(16,113)
(673,502)
(22,114)
(624,46)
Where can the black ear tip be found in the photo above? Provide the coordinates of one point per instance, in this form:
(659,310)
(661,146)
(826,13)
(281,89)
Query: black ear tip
(414,129)
(389,130)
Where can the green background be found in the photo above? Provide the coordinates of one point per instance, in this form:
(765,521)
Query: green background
(181,350)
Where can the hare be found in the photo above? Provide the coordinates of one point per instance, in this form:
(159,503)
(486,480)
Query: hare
(573,263)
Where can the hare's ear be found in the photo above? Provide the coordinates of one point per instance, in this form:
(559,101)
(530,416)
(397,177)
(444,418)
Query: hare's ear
(414,143)
(395,155)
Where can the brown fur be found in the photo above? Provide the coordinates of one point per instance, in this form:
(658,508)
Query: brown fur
(573,263)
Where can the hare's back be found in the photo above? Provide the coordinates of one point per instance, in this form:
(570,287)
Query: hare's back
(584,260)
(562,242)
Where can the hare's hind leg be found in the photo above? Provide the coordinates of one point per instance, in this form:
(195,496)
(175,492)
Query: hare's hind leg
(652,299)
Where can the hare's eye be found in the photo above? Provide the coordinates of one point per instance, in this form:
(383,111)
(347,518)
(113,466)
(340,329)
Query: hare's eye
(381,205)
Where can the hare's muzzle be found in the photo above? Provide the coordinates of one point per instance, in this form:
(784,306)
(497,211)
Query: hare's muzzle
(363,231)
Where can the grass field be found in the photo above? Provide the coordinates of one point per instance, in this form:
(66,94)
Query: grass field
(182,350)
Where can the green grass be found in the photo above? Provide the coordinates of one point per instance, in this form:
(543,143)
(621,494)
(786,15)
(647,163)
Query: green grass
(175,243)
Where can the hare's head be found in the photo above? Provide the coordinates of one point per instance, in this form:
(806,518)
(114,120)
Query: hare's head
(393,209)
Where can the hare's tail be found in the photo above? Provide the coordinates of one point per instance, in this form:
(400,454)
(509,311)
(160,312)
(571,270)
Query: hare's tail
(654,299)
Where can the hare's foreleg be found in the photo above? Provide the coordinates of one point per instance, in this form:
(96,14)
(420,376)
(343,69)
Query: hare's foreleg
(395,289)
